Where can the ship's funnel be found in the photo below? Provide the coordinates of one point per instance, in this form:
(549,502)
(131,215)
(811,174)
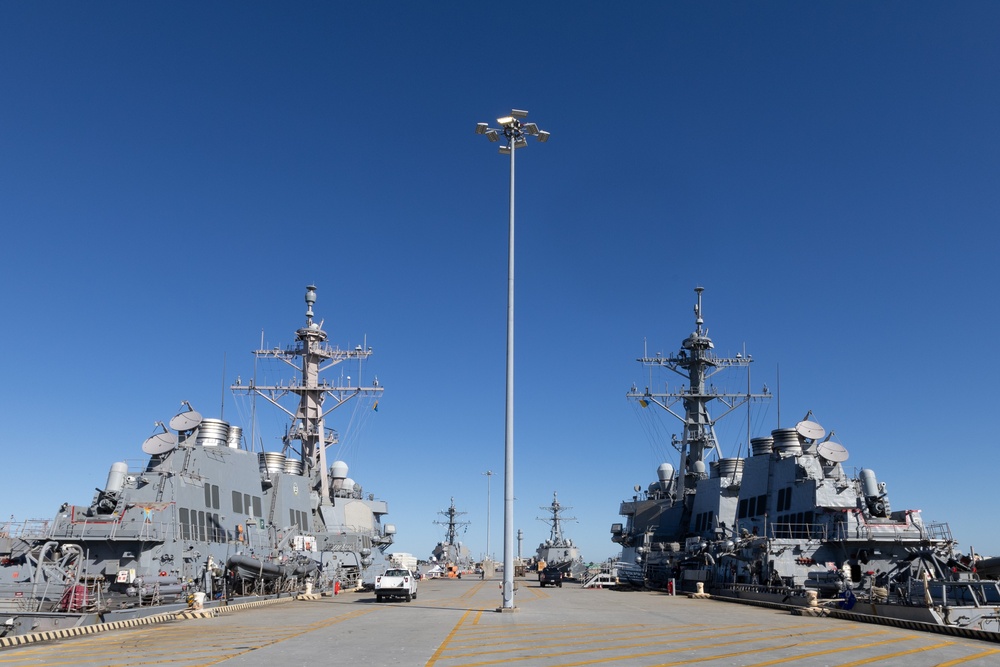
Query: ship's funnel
(234,437)
(213,433)
(730,468)
(787,441)
(271,462)
(762,446)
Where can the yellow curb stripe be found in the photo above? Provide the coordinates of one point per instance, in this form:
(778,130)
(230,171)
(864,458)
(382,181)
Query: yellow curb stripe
(444,645)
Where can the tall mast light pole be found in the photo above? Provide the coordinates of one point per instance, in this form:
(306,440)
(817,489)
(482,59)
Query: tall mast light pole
(489,477)
(515,131)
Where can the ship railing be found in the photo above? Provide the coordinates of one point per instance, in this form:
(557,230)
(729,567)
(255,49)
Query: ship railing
(938,531)
(896,531)
(32,528)
(798,531)
(92,528)
(955,593)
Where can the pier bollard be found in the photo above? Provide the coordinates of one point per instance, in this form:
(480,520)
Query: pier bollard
(198,601)
(812,599)
(699,591)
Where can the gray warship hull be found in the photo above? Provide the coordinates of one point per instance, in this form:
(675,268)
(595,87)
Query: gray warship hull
(452,553)
(559,551)
(785,524)
(204,514)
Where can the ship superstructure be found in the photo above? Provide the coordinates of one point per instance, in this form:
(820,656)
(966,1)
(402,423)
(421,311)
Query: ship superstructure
(451,551)
(205,513)
(786,520)
(559,551)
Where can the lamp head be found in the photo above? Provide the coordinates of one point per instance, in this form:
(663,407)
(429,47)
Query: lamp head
(481,128)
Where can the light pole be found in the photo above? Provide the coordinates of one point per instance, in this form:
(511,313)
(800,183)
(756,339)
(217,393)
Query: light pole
(489,476)
(514,131)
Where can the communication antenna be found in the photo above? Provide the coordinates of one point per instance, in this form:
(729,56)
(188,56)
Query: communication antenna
(185,421)
(160,443)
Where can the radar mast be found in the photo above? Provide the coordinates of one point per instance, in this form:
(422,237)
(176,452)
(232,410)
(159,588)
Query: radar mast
(696,363)
(311,356)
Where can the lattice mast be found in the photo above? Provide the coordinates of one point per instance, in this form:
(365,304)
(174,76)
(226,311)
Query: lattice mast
(311,356)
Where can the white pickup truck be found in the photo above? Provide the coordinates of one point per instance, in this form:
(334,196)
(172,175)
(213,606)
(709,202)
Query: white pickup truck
(396,582)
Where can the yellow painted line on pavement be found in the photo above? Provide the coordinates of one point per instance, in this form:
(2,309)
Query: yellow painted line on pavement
(524,640)
(723,656)
(621,647)
(444,644)
(472,591)
(899,654)
(69,654)
(816,654)
(969,658)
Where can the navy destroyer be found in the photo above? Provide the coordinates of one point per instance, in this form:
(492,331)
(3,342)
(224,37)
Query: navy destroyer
(451,552)
(787,523)
(206,514)
(559,551)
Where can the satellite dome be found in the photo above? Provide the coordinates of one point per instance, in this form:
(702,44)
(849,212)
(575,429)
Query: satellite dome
(665,472)
(338,470)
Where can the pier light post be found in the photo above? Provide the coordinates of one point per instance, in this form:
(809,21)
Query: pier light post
(515,132)
(489,477)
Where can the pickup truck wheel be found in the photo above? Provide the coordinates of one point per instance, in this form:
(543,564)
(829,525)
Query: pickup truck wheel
(414,595)
(559,584)
(541,584)
(408,597)
(378,597)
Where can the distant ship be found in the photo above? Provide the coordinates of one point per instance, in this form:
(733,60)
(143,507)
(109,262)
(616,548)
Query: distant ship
(787,523)
(558,550)
(206,514)
(451,551)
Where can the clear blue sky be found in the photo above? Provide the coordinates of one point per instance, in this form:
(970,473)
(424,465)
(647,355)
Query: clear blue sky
(173,174)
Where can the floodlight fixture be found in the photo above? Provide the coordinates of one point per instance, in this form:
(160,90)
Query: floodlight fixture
(518,113)
(505,150)
(530,128)
(543,136)
(492,135)
(505,121)
(482,128)
(520,142)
